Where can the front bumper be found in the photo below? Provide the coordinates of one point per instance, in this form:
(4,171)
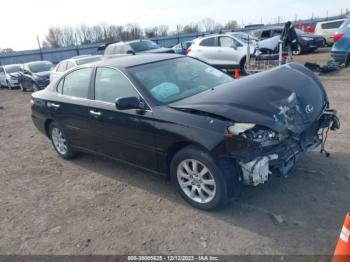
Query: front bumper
(257,161)
(338,57)
(13,82)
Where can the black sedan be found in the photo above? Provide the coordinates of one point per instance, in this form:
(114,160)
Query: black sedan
(179,117)
(35,75)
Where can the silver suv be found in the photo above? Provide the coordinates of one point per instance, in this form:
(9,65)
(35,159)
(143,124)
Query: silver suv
(221,51)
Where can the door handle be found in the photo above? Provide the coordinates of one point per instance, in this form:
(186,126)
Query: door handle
(94,113)
(56,106)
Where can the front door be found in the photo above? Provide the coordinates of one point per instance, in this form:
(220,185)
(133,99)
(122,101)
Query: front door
(229,51)
(123,134)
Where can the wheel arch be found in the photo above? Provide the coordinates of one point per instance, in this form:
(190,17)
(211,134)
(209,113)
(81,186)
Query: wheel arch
(173,149)
(47,126)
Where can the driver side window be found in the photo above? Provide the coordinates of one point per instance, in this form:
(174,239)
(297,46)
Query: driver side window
(111,84)
(226,42)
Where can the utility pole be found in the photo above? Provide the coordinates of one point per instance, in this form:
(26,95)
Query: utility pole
(41,53)
(76,44)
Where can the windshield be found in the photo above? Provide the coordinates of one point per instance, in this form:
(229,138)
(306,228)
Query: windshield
(171,80)
(40,67)
(143,45)
(12,69)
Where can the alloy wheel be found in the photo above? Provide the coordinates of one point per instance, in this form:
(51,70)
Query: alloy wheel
(196,181)
(59,141)
(297,52)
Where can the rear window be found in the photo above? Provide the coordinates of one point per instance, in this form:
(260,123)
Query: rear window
(41,67)
(208,42)
(332,25)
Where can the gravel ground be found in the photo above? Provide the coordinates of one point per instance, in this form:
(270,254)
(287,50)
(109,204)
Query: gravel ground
(93,205)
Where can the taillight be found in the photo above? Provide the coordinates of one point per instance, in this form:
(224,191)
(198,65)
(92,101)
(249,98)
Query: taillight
(337,37)
(188,50)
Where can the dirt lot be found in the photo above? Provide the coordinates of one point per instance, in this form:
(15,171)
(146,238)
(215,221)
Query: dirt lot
(96,206)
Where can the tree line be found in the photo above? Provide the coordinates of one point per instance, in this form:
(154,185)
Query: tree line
(66,36)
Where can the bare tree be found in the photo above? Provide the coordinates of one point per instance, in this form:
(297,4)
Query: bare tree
(6,50)
(53,38)
(231,25)
(208,24)
(163,30)
(191,28)
(151,32)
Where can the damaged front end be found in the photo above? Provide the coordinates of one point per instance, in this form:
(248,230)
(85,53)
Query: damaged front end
(276,116)
(260,151)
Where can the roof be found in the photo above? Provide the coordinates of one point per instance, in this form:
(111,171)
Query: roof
(36,62)
(129,42)
(134,60)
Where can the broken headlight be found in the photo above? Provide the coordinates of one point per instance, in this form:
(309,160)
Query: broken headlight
(259,134)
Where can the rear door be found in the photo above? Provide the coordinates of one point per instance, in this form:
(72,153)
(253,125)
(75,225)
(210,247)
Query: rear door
(71,109)
(123,134)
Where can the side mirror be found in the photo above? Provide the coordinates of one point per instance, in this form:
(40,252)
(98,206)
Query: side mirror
(132,102)
(234,47)
(130,52)
(26,72)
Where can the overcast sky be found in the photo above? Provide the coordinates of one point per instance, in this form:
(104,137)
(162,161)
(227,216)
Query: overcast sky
(22,20)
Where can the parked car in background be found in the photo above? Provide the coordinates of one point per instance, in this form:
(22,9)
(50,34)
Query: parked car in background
(307,27)
(221,51)
(341,49)
(67,64)
(181,48)
(135,47)
(35,75)
(181,118)
(245,37)
(307,43)
(9,76)
(327,29)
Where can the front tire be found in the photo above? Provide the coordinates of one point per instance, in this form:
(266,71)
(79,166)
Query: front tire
(244,67)
(59,142)
(8,85)
(198,179)
(299,50)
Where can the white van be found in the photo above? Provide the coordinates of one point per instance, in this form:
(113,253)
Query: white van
(327,29)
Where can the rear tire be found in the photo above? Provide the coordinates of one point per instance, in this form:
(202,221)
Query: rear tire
(8,85)
(198,179)
(60,142)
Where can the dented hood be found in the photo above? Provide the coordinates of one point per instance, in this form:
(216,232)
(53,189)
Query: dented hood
(287,99)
